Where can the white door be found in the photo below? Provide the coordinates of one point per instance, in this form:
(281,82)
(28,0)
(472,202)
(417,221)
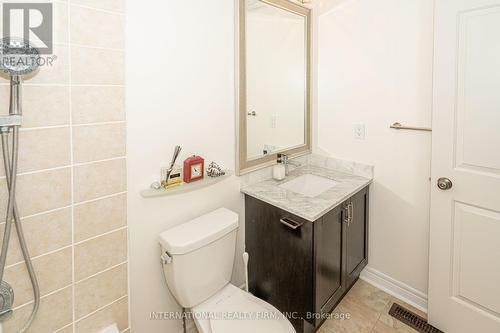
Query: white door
(464,277)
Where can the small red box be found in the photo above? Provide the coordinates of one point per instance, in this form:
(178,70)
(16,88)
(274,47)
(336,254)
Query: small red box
(194,169)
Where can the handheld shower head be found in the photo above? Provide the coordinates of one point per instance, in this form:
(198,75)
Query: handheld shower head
(18,56)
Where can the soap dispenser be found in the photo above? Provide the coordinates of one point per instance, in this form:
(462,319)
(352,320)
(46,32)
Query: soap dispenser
(279,170)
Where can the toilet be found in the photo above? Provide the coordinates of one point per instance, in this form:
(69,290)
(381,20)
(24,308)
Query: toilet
(197,259)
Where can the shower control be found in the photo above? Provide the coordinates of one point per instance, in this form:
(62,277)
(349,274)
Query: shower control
(6,300)
(444,184)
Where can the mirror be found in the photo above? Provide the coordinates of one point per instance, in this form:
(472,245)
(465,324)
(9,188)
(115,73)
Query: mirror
(274,110)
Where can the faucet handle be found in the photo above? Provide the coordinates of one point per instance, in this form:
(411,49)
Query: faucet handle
(282,158)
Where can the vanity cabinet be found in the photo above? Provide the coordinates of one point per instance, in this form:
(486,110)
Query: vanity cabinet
(304,268)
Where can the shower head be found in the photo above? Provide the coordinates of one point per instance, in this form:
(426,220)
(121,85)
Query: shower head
(18,56)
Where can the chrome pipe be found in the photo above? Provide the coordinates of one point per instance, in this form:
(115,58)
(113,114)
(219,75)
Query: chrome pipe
(15,105)
(8,221)
(10,166)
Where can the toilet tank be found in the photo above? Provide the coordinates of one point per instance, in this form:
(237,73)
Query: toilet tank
(202,255)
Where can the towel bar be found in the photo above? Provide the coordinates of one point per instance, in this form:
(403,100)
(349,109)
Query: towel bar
(398,126)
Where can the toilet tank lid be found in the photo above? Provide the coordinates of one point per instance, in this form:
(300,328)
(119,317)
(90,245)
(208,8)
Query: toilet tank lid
(199,232)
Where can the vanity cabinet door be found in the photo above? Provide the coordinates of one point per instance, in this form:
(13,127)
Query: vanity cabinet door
(281,259)
(329,264)
(357,237)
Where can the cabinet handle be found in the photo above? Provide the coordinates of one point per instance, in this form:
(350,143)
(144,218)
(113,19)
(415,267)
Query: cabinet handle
(291,223)
(348,213)
(351,212)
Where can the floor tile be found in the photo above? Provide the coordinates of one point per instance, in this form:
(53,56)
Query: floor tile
(366,310)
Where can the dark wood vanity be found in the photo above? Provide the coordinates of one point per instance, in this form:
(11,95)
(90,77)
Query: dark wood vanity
(305,268)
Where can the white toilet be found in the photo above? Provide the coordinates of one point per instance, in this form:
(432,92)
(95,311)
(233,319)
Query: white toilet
(198,262)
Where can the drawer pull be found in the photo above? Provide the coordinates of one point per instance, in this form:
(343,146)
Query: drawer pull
(291,223)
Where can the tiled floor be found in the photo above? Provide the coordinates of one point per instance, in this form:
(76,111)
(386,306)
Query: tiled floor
(368,309)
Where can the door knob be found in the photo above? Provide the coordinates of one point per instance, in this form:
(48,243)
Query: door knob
(253,113)
(444,184)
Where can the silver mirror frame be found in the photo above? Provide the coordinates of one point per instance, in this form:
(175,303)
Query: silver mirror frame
(243,164)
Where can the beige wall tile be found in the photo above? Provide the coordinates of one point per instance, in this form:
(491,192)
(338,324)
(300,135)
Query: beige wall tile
(114,5)
(91,104)
(98,254)
(57,73)
(98,142)
(100,216)
(46,102)
(53,272)
(55,228)
(39,192)
(99,179)
(67,329)
(107,28)
(42,105)
(114,313)
(60,21)
(97,66)
(99,290)
(42,149)
(47,320)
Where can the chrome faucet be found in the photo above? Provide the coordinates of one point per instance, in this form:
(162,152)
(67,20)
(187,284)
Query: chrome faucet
(285,160)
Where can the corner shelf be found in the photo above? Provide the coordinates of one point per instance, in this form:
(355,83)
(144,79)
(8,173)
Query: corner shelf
(185,187)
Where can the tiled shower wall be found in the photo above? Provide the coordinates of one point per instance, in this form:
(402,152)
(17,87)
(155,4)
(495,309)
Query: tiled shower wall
(72,176)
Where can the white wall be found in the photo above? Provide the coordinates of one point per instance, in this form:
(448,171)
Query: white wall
(375,68)
(180,90)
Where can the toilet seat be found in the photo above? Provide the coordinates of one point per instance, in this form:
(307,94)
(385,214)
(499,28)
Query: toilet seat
(234,310)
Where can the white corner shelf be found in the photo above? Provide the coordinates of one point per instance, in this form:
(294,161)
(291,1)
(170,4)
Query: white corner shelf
(185,187)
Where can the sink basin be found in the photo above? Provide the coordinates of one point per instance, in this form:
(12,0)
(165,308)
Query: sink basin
(309,185)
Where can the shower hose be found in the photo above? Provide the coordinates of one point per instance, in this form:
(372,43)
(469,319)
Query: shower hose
(10,159)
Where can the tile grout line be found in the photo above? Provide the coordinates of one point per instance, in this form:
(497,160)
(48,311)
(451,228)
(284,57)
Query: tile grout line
(71,285)
(43,213)
(125,227)
(102,48)
(101,198)
(40,255)
(109,11)
(123,157)
(97,123)
(59,85)
(53,292)
(54,210)
(101,308)
(107,269)
(102,123)
(72,159)
(62,328)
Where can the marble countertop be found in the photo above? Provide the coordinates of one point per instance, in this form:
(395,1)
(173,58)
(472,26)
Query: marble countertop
(308,208)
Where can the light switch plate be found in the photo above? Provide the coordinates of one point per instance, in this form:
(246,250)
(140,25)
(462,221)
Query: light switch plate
(274,120)
(359,131)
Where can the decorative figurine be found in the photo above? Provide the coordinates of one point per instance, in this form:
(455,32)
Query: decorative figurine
(214,170)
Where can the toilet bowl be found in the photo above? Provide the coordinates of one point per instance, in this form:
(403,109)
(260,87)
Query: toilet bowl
(234,310)
(197,259)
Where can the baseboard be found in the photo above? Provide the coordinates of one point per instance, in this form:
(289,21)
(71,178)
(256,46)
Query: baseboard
(395,288)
